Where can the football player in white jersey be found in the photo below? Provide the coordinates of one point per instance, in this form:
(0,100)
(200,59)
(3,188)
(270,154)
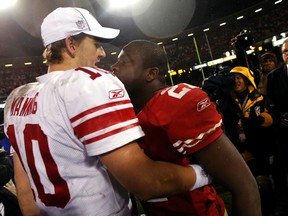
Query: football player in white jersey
(74,131)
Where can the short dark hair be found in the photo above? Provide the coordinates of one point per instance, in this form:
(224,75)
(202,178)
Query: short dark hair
(152,55)
(269,55)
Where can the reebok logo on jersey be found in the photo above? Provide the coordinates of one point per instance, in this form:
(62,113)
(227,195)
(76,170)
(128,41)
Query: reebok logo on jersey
(119,93)
(203,104)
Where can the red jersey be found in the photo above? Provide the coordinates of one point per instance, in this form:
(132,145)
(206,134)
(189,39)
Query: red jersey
(178,121)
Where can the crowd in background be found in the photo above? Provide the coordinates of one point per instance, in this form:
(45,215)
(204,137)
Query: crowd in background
(181,53)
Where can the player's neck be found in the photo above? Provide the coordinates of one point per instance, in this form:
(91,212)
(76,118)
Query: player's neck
(140,98)
(62,66)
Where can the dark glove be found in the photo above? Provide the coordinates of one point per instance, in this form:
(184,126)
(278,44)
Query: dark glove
(256,120)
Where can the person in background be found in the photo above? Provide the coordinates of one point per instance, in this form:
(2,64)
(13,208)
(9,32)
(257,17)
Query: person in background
(181,125)
(268,63)
(277,92)
(248,123)
(6,168)
(8,197)
(4,141)
(74,131)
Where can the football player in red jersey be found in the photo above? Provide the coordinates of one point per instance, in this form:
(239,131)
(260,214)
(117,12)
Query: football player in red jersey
(74,131)
(181,125)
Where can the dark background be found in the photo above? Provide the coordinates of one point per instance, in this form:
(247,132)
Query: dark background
(20,25)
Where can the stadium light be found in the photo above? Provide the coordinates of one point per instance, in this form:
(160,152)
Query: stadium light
(258,10)
(277,2)
(7,3)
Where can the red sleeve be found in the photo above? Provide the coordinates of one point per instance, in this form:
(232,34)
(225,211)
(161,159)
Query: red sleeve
(195,122)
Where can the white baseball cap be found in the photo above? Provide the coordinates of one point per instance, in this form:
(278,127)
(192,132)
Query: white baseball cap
(70,21)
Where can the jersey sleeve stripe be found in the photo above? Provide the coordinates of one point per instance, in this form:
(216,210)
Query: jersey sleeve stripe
(110,133)
(182,146)
(98,108)
(108,129)
(101,112)
(105,120)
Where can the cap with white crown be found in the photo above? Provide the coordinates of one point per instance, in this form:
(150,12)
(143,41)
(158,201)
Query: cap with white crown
(70,21)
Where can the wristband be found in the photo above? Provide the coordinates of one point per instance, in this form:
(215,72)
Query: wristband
(202,178)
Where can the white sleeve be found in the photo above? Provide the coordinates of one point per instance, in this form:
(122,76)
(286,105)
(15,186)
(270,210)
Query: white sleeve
(100,111)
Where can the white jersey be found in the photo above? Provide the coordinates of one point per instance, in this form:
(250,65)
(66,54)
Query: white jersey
(58,126)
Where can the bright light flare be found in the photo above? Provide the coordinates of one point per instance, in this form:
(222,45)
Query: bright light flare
(125,8)
(117,4)
(4,4)
(165,20)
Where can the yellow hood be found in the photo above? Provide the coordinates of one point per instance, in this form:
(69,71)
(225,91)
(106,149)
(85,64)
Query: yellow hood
(246,72)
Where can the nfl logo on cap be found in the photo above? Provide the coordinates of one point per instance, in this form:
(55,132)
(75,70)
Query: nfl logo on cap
(81,24)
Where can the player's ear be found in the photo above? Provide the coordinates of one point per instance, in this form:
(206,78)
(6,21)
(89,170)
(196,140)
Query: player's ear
(152,74)
(70,46)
